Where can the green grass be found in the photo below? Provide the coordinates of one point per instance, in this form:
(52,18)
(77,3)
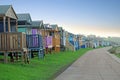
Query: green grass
(113,51)
(118,55)
(41,69)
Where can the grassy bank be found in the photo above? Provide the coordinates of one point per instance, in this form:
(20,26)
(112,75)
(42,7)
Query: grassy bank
(39,69)
(115,51)
(118,55)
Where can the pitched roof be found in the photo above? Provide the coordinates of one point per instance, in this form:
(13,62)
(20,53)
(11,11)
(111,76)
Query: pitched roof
(37,23)
(47,26)
(54,26)
(24,17)
(7,10)
(4,8)
(60,28)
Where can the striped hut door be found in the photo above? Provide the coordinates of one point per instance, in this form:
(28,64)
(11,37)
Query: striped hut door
(49,41)
(46,42)
(35,37)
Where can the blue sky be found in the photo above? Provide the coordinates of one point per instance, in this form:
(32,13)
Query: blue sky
(99,17)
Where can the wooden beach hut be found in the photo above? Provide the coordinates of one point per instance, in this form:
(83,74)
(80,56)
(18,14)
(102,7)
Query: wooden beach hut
(83,41)
(24,23)
(76,42)
(33,33)
(62,39)
(93,41)
(56,37)
(34,38)
(69,41)
(11,41)
(47,38)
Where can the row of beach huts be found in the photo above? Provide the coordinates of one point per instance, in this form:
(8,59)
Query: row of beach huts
(20,35)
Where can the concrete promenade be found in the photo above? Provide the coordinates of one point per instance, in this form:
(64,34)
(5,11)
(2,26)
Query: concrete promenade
(94,65)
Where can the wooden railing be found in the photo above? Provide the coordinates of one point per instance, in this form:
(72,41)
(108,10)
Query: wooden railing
(12,42)
(34,41)
(69,46)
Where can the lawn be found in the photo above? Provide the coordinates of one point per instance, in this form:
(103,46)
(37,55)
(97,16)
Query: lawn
(41,69)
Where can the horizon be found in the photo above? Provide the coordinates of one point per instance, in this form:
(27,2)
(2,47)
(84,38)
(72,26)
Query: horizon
(88,17)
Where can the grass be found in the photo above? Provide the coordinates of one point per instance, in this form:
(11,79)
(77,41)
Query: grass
(113,51)
(118,55)
(41,69)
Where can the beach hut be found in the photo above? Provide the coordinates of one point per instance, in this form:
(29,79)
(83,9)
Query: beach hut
(76,42)
(47,38)
(69,41)
(62,39)
(33,33)
(82,41)
(11,41)
(24,23)
(34,38)
(56,37)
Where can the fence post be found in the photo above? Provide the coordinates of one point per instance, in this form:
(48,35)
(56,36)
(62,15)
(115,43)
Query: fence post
(5,57)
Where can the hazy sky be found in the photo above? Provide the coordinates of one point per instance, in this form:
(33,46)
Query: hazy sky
(99,17)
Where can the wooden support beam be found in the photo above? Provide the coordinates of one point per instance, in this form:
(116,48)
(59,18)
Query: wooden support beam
(9,25)
(39,54)
(30,54)
(22,56)
(4,23)
(16,26)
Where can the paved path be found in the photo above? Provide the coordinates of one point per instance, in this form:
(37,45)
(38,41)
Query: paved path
(94,65)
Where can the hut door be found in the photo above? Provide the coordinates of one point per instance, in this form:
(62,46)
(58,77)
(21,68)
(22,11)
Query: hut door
(35,37)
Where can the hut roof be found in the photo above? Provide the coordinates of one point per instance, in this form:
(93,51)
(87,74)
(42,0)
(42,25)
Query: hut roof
(37,24)
(54,26)
(7,10)
(47,26)
(24,17)
(60,28)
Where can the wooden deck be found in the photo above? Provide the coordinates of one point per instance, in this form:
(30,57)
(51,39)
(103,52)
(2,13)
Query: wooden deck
(56,44)
(12,42)
(35,43)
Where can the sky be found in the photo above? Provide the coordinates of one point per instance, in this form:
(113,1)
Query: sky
(88,17)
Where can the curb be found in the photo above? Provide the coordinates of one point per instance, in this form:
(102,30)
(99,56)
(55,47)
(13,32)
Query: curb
(114,57)
(60,71)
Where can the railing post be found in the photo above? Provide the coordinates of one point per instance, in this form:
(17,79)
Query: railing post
(16,26)
(30,54)
(22,56)
(4,23)
(39,54)
(9,24)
